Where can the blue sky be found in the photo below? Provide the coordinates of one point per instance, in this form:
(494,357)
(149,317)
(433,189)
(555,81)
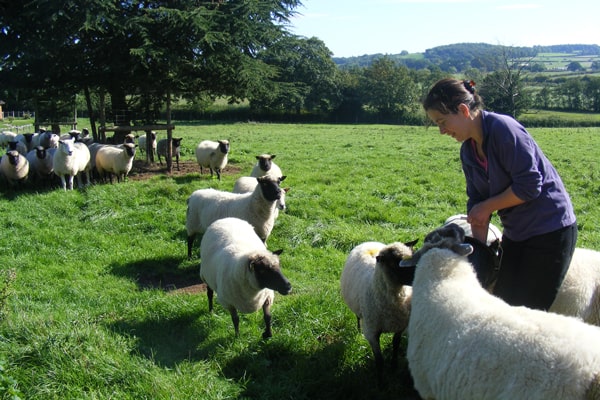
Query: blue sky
(354,28)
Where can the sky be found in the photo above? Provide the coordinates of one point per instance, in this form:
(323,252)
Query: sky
(358,27)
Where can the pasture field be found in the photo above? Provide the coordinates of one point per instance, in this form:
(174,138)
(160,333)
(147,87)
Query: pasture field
(99,301)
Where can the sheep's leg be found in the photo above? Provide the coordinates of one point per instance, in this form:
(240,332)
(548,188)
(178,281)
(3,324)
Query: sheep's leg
(218,170)
(70,182)
(376,347)
(395,347)
(177,158)
(267,317)
(209,294)
(190,243)
(236,321)
(63,182)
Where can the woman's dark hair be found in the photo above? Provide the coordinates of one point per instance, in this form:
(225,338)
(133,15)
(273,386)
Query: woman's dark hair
(447,94)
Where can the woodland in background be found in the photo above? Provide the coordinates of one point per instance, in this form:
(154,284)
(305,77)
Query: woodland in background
(124,62)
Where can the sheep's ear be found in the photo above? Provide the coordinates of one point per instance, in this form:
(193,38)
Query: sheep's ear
(278,252)
(408,263)
(412,243)
(287,189)
(251,266)
(282,178)
(258,157)
(462,249)
(272,156)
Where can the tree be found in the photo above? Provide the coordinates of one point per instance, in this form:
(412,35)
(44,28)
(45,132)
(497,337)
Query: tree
(388,88)
(503,90)
(575,66)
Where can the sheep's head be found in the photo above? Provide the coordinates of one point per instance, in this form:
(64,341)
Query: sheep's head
(265,161)
(66,146)
(224,146)
(270,187)
(450,237)
(389,259)
(267,272)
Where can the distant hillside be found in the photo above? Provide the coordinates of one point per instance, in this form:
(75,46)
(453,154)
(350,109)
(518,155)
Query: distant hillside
(461,56)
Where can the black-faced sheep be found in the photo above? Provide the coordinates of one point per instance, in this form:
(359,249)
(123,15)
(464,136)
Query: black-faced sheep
(238,267)
(205,206)
(246,184)
(370,288)
(117,160)
(212,155)
(465,343)
(14,167)
(266,166)
(579,293)
(161,149)
(40,163)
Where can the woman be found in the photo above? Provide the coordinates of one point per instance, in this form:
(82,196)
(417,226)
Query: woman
(506,171)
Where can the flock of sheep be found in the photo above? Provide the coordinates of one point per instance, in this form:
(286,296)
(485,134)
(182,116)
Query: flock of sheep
(45,158)
(463,342)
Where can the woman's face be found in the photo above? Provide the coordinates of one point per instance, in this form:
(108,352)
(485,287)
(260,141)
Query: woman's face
(454,125)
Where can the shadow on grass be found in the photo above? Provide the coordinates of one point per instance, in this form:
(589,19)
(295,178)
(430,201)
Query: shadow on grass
(274,370)
(167,273)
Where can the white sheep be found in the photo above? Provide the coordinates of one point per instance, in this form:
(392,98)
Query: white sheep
(40,163)
(161,149)
(212,155)
(578,295)
(69,161)
(5,137)
(245,184)
(465,343)
(369,286)
(266,166)
(143,144)
(116,160)
(239,268)
(204,206)
(14,167)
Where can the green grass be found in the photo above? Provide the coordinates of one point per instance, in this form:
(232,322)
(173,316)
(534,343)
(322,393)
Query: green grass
(90,312)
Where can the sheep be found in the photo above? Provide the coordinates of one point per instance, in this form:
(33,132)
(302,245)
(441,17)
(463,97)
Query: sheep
(161,149)
(18,146)
(578,295)
(494,233)
(116,160)
(5,137)
(26,139)
(465,343)
(204,206)
(212,155)
(14,167)
(239,268)
(69,161)
(40,163)
(245,184)
(370,288)
(142,143)
(265,166)
(46,139)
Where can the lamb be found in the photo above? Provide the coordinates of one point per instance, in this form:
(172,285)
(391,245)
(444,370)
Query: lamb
(266,166)
(69,161)
(245,184)
(578,295)
(239,268)
(40,163)
(370,288)
(14,167)
(465,343)
(161,149)
(116,160)
(204,206)
(212,155)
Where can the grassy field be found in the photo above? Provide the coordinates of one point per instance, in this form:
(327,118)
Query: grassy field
(94,301)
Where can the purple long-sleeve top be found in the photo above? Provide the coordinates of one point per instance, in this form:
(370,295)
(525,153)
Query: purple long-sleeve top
(515,160)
